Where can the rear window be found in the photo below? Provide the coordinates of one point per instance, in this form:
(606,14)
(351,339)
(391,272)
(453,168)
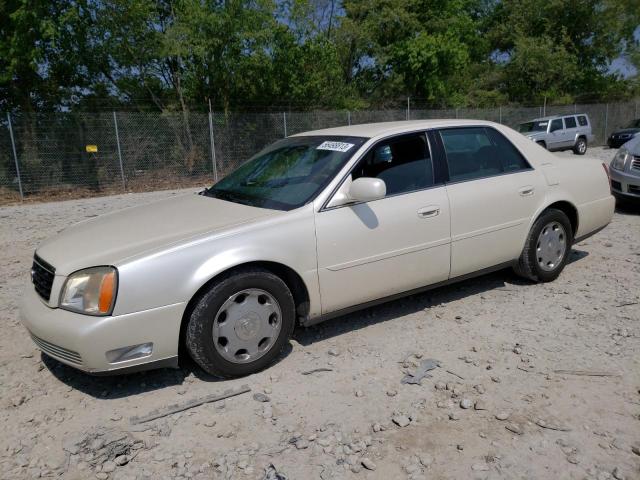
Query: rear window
(478,152)
(570,122)
(582,120)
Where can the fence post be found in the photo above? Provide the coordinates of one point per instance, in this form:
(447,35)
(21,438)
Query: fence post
(115,123)
(457,112)
(15,157)
(284,120)
(408,108)
(606,121)
(349,117)
(635,114)
(500,115)
(214,164)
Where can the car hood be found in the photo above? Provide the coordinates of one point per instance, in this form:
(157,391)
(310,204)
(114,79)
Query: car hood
(626,130)
(633,145)
(535,135)
(111,238)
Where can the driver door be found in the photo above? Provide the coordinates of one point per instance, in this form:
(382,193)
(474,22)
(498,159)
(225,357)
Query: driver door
(401,242)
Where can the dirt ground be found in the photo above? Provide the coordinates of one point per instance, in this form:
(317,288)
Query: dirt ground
(502,345)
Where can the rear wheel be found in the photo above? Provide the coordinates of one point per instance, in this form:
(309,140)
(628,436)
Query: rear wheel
(241,324)
(580,148)
(542,143)
(547,247)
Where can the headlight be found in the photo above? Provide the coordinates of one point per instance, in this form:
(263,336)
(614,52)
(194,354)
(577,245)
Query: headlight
(91,291)
(620,160)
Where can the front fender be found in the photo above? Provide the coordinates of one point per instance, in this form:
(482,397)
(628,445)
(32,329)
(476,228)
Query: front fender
(176,274)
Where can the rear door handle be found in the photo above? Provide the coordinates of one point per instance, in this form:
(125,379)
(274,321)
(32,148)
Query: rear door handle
(526,191)
(431,211)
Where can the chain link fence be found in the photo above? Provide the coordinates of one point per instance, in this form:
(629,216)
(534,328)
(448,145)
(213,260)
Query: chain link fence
(69,155)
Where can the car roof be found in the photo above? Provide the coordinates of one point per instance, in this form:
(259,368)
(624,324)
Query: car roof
(553,117)
(371,130)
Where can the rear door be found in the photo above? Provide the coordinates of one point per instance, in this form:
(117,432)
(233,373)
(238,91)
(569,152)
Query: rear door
(571,130)
(493,193)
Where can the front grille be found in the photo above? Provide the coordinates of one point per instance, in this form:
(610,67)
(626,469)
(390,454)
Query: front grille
(616,185)
(635,189)
(42,275)
(57,352)
(635,163)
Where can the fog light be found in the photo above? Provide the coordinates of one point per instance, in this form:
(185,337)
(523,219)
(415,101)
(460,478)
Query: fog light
(129,353)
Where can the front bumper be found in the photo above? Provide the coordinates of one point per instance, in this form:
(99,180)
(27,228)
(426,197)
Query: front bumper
(82,341)
(624,184)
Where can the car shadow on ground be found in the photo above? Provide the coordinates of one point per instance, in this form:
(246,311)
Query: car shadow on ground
(628,208)
(502,279)
(109,387)
(120,386)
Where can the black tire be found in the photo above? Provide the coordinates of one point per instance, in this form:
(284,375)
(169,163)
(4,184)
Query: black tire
(580,148)
(542,144)
(198,334)
(527,266)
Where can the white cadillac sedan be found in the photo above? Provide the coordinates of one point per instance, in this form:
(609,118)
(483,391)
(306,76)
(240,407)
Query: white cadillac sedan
(314,226)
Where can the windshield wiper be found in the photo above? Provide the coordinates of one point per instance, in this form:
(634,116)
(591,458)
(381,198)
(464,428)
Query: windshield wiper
(230,196)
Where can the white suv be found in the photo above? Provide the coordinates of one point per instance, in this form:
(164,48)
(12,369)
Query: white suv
(560,132)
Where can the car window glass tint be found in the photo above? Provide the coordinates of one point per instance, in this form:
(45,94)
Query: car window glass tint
(556,124)
(402,162)
(478,152)
(570,122)
(582,120)
(288,173)
(510,158)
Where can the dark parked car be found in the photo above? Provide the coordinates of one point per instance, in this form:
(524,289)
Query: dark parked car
(622,136)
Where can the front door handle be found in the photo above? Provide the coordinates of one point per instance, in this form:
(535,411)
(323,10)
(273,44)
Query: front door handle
(526,191)
(431,211)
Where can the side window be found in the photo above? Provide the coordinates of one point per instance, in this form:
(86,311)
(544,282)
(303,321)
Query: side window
(403,162)
(510,158)
(478,152)
(570,122)
(556,125)
(582,120)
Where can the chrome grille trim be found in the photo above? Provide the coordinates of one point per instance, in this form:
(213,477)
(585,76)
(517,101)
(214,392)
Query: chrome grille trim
(57,352)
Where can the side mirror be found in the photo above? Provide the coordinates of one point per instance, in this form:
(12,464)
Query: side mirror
(366,189)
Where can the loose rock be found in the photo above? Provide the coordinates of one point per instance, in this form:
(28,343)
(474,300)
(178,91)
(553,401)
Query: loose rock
(368,464)
(401,420)
(515,428)
(261,397)
(479,405)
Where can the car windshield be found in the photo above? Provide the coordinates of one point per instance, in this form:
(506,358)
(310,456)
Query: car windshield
(535,126)
(288,173)
(635,123)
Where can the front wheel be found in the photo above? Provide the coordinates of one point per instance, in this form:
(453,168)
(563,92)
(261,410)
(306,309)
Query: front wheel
(580,148)
(547,247)
(241,324)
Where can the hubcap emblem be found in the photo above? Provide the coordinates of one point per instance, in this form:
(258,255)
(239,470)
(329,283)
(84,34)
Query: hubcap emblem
(247,328)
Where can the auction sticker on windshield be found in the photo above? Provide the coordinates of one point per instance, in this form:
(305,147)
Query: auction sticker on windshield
(335,146)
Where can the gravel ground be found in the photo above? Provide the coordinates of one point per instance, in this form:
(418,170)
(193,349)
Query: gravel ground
(497,407)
